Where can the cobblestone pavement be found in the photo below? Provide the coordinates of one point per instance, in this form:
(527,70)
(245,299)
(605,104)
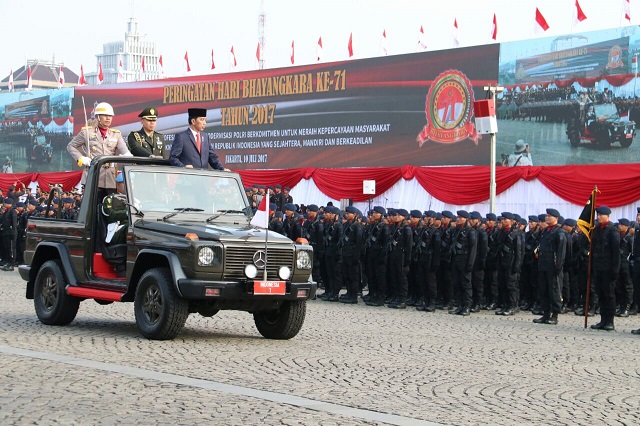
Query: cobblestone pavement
(349,363)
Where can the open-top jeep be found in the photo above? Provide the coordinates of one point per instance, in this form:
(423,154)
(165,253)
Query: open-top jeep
(186,246)
(599,124)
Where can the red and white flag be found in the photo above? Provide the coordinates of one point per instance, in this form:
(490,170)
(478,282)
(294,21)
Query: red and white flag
(319,50)
(540,25)
(422,41)
(29,83)
(10,84)
(233,62)
(143,75)
(100,73)
(60,78)
(81,80)
(350,45)
(626,7)
(161,66)
(579,16)
(213,63)
(634,62)
(186,58)
(384,48)
(261,218)
(293,52)
(494,28)
(455,42)
(120,78)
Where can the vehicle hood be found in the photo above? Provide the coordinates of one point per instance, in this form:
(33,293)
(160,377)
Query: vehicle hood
(212,232)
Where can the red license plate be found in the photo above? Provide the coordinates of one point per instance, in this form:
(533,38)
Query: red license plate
(629,135)
(269,287)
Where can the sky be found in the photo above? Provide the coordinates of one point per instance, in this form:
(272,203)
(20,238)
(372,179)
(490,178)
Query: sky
(74,31)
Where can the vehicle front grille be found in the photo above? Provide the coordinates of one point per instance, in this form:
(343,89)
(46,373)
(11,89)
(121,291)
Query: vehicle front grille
(236,258)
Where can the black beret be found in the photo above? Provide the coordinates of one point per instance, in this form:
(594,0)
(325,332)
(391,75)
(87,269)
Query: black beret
(416,213)
(270,187)
(290,206)
(522,221)
(553,212)
(335,210)
(8,200)
(507,215)
(380,210)
(447,213)
(463,213)
(19,204)
(491,216)
(438,216)
(430,213)
(286,188)
(533,218)
(603,210)
(358,212)
(369,212)
(197,112)
(638,209)
(624,222)
(542,217)
(247,188)
(570,222)
(272,206)
(475,215)
(68,200)
(33,201)
(278,214)
(561,220)
(278,186)
(351,209)
(312,208)
(402,212)
(391,212)
(151,114)
(517,217)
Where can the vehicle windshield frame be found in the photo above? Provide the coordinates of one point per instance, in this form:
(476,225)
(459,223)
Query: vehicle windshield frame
(606,110)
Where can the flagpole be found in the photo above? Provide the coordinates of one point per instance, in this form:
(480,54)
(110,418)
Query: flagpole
(588,289)
(635,80)
(266,239)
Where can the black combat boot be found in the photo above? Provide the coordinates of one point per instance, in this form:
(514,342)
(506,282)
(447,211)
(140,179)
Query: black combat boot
(543,319)
(553,320)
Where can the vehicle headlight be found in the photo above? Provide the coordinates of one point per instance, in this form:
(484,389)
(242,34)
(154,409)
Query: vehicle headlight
(250,271)
(615,128)
(206,256)
(284,273)
(303,261)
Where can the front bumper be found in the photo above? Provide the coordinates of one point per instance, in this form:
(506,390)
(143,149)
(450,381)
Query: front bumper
(241,291)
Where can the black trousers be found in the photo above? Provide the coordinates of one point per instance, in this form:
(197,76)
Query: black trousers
(398,277)
(605,286)
(636,283)
(491,285)
(624,287)
(9,248)
(508,288)
(351,275)
(550,291)
(377,273)
(334,274)
(21,246)
(477,286)
(462,282)
(445,283)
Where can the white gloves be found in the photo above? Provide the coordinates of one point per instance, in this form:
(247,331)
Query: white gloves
(84,161)
(128,154)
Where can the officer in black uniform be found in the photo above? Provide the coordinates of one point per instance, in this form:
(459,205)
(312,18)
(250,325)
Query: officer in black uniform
(510,255)
(292,228)
(464,246)
(529,275)
(550,262)
(349,247)
(414,279)
(275,224)
(313,231)
(445,285)
(146,142)
(400,244)
(429,260)
(635,265)
(9,234)
(477,275)
(491,264)
(606,267)
(68,210)
(624,287)
(571,265)
(376,260)
(332,234)
(21,241)
(582,247)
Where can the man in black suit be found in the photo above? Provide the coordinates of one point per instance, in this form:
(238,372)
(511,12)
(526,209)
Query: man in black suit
(191,148)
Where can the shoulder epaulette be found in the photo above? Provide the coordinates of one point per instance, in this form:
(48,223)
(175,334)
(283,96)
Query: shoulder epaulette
(87,127)
(115,130)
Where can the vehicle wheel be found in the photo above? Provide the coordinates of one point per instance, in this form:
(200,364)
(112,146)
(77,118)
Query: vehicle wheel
(160,313)
(626,143)
(52,303)
(283,323)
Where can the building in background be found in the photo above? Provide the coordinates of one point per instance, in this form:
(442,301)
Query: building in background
(45,74)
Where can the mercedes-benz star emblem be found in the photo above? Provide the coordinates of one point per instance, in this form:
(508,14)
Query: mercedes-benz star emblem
(260,259)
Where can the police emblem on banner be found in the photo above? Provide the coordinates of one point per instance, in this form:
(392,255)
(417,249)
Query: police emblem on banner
(448,108)
(615,57)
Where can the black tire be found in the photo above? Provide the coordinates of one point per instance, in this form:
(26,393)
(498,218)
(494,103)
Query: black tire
(283,323)
(52,303)
(160,313)
(626,143)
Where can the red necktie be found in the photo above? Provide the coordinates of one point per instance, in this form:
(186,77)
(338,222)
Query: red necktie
(198,141)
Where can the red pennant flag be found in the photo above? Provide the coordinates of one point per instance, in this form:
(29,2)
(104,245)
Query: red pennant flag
(234,63)
(455,42)
(261,217)
(319,49)
(60,78)
(350,45)
(120,78)
(292,52)
(422,44)
(541,23)
(258,52)
(580,16)
(494,31)
(142,69)
(213,64)
(186,58)
(81,80)
(100,73)
(142,65)
(29,84)
(626,6)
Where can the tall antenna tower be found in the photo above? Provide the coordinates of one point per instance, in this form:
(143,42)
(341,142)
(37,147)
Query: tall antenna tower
(262,20)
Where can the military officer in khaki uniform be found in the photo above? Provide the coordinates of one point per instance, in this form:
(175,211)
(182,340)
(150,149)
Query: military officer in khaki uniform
(102,141)
(146,142)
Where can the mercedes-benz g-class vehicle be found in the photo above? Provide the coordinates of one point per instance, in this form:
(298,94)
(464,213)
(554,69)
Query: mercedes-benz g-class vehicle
(599,124)
(173,241)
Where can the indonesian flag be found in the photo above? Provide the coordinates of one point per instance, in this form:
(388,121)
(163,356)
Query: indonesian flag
(261,218)
(494,27)
(634,61)
(100,73)
(350,45)
(10,84)
(61,78)
(384,50)
(454,34)
(624,115)
(422,41)
(161,66)
(143,74)
(186,58)
(233,61)
(81,80)
(580,16)
(213,64)
(29,84)
(319,50)
(292,52)
(120,77)
(540,24)
(626,7)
